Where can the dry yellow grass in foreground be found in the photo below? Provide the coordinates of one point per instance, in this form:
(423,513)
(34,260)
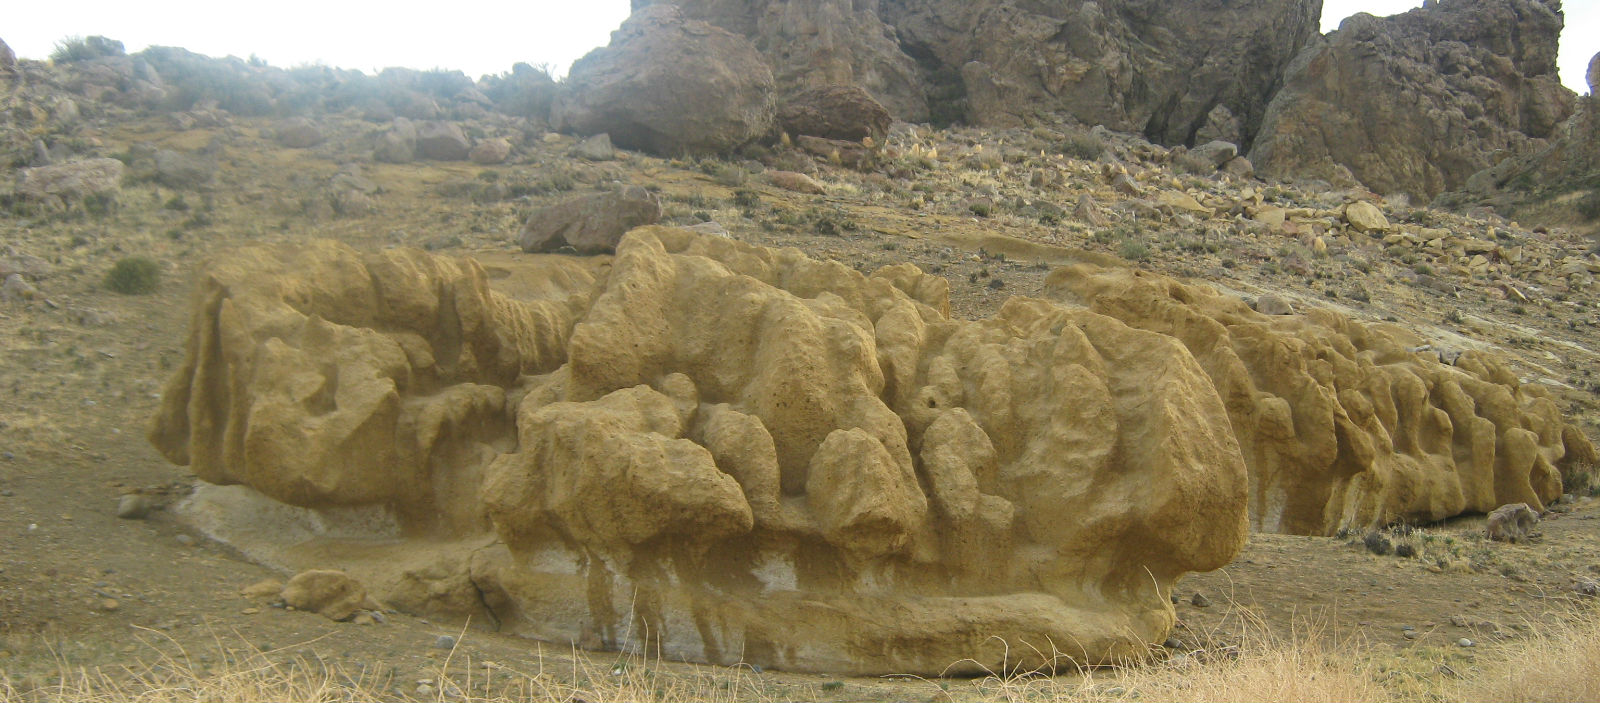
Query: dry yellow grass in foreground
(1560,662)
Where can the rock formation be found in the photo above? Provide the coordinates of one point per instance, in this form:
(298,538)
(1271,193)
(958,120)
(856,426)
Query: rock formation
(819,43)
(670,85)
(1569,163)
(1177,72)
(1418,102)
(727,452)
(1349,425)
(590,224)
(835,112)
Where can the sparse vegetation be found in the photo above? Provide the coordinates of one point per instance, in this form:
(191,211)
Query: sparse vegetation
(134,275)
(75,48)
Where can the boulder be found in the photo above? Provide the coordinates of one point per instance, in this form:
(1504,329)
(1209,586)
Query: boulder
(397,145)
(1457,84)
(1342,425)
(1167,70)
(670,86)
(1217,152)
(823,43)
(1365,217)
(590,224)
(299,133)
(1273,305)
(595,148)
(491,151)
(8,58)
(1512,523)
(68,183)
(835,112)
(442,141)
(1593,76)
(730,434)
(334,595)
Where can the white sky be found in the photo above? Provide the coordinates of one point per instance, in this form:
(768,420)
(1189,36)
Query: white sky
(475,36)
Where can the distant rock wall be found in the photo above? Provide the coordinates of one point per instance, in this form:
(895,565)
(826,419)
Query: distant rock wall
(1418,102)
(1176,72)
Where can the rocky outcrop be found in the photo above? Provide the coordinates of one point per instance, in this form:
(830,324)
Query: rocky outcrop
(717,451)
(1177,72)
(8,58)
(1349,425)
(1534,184)
(63,185)
(819,43)
(670,85)
(1418,102)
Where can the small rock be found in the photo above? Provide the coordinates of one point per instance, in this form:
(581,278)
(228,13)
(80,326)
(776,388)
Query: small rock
(1273,305)
(109,604)
(445,642)
(1411,634)
(424,689)
(185,540)
(1458,621)
(591,224)
(1514,522)
(1200,601)
(133,506)
(1172,643)
(249,611)
(1464,642)
(16,289)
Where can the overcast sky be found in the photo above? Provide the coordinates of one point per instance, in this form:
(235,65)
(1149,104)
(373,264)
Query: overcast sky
(474,36)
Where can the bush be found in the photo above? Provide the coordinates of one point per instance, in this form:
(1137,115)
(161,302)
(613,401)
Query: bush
(1081,145)
(134,275)
(76,48)
(1589,206)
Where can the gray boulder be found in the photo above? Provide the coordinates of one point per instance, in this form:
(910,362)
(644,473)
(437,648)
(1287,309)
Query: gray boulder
(670,86)
(299,133)
(590,224)
(835,112)
(398,145)
(1512,523)
(442,141)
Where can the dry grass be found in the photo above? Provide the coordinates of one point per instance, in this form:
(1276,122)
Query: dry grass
(1557,664)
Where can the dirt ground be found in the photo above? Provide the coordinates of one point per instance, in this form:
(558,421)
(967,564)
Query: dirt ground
(81,369)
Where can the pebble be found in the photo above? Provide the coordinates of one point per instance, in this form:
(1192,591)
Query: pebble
(445,642)
(1200,601)
(133,507)
(249,611)
(109,604)
(1464,642)
(1172,643)
(186,540)
(424,689)
(1411,634)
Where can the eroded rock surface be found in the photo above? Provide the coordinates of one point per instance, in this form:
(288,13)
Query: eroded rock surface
(1418,102)
(735,452)
(1351,425)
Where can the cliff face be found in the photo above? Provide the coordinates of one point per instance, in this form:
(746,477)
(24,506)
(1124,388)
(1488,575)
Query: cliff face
(819,43)
(1416,103)
(1176,72)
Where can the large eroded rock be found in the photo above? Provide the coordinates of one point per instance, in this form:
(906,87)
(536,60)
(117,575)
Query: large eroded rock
(1418,102)
(1342,424)
(670,86)
(724,451)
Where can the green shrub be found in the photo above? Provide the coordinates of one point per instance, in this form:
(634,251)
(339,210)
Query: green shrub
(1589,206)
(77,48)
(1081,145)
(1133,251)
(134,275)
